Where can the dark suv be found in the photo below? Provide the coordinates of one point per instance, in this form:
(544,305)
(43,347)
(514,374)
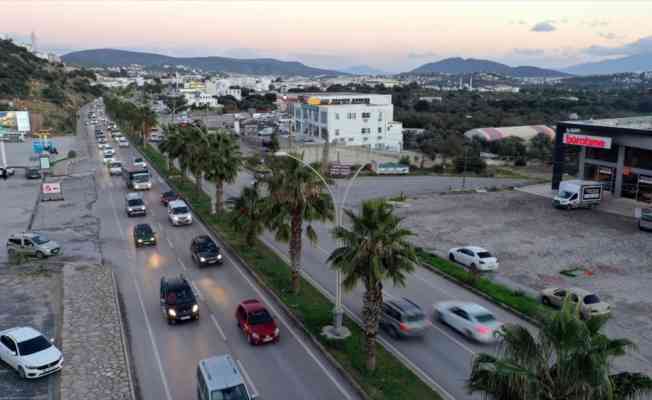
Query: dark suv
(178,300)
(144,235)
(402,318)
(204,251)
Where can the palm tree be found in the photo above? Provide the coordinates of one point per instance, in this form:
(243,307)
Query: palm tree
(568,359)
(197,153)
(296,195)
(172,144)
(222,164)
(148,120)
(375,249)
(248,214)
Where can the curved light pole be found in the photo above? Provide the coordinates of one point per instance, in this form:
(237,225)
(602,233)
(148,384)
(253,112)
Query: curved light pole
(337,330)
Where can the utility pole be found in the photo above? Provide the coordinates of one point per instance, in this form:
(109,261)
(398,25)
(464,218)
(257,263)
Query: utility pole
(466,151)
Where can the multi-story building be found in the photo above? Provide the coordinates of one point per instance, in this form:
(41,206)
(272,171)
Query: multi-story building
(348,119)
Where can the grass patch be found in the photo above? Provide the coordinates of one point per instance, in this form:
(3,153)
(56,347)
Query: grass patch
(499,293)
(391,381)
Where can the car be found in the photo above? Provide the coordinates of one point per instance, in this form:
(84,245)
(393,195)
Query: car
(10,171)
(590,304)
(115,167)
(108,158)
(474,257)
(256,322)
(403,318)
(123,143)
(179,213)
(219,377)
(33,173)
(472,320)
(178,301)
(168,196)
(135,205)
(144,235)
(101,145)
(27,351)
(32,244)
(204,251)
(108,150)
(645,222)
(139,162)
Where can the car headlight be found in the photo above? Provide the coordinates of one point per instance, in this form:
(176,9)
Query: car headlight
(255,335)
(276,332)
(195,308)
(172,313)
(140,240)
(219,256)
(202,259)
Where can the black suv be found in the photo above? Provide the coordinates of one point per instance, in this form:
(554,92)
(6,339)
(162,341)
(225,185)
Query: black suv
(33,173)
(204,251)
(144,235)
(178,300)
(403,318)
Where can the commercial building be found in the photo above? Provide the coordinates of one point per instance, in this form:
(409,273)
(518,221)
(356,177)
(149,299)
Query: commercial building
(498,133)
(616,152)
(347,119)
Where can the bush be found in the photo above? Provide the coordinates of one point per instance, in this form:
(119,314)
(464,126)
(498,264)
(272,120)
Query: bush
(520,162)
(405,160)
(473,163)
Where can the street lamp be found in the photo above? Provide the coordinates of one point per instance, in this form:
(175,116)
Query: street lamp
(337,330)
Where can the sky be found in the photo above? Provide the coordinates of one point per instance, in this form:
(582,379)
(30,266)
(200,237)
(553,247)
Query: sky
(393,36)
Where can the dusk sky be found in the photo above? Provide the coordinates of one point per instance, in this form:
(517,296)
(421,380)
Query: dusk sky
(390,35)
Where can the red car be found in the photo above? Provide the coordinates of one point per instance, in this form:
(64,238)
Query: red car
(256,322)
(167,197)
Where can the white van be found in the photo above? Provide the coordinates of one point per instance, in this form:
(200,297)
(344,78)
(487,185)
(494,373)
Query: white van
(578,194)
(179,213)
(219,378)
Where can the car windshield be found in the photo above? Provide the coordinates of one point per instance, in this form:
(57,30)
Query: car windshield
(484,254)
(169,195)
(207,245)
(144,230)
(116,165)
(140,177)
(415,317)
(259,317)
(180,296)
(180,210)
(135,202)
(33,345)
(40,239)
(591,299)
(565,194)
(232,393)
(485,318)
(138,160)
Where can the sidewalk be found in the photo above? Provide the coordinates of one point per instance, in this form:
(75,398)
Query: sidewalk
(610,204)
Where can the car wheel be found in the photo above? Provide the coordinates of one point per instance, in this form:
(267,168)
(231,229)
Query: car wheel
(250,339)
(451,257)
(21,372)
(545,301)
(39,254)
(468,334)
(473,267)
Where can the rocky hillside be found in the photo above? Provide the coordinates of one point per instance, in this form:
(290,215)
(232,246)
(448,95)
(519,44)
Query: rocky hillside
(47,90)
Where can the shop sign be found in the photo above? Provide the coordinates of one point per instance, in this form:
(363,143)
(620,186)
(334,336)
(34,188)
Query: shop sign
(605,171)
(599,142)
(645,179)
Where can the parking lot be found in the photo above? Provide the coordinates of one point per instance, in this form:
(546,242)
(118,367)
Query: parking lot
(535,242)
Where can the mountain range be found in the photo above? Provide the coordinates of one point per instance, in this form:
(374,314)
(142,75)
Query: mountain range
(256,66)
(635,63)
(363,70)
(457,65)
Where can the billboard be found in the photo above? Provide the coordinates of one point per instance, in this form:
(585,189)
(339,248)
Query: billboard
(598,142)
(14,121)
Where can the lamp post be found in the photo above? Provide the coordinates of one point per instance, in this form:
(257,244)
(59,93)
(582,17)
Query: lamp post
(466,151)
(337,330)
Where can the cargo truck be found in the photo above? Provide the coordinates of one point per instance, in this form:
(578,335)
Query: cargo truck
(578,194)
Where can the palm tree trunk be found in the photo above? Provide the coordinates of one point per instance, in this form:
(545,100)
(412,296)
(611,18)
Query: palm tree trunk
(219,195)
(199,177)
(373,301)
(295,249)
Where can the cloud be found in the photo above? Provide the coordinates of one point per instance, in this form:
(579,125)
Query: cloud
(426,54)
(642,45)
(608,35)
(528,52)
(544,26)
(596,23)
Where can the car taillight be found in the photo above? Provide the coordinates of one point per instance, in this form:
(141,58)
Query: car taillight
(483,330)
(404,327)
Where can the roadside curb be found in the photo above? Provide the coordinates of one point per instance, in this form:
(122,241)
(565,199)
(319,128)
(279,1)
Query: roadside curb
(288,312)
(123,336)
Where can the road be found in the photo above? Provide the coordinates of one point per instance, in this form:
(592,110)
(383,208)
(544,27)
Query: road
(442,357)
(165,357)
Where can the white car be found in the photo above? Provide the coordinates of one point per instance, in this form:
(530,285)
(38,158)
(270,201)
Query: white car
(109,151)
(473,257)
(102,146)
(123,143)
(115,167)
(179,213)
(140,163)
(28,352)
(108,158)
(471,320)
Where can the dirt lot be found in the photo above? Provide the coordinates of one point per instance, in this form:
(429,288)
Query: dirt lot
(534,242)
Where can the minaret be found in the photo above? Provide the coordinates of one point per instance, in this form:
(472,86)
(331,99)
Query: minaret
(471,83)
(33,38)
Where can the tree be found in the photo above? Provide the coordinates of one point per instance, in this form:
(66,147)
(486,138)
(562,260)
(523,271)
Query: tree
(222,164)
(274,145)
(248,214)
(569,359)
(146,118)
(422,106)
(198,153)
(296,196)
(374,249)
(175,103)
(172,144)
(541,147)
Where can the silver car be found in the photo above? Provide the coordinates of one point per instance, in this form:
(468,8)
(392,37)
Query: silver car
(471,320)
(32,244)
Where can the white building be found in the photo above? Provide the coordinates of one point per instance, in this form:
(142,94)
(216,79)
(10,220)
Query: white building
(197,98)
(348,119)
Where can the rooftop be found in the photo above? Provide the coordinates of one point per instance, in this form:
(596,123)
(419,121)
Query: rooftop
(636,123)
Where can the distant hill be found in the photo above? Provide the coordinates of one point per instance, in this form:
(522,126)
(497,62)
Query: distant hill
(635,63)
(257,66)
(457,65)
(363,70)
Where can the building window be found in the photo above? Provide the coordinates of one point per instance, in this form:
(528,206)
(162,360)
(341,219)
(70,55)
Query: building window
(380,116)
(337,132)
(337,115)
(351,115)
(379,137)
(380,129)
(350,139)
(365,139)
(323,117)
(366,115)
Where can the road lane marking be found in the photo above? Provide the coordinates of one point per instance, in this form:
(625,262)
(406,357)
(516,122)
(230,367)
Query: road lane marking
(254,391)
(182,264)
(169,242)
(219,328)
(160,227)
(196,289)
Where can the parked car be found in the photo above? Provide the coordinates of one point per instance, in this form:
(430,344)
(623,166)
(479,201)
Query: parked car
(32,244)
(645,222)
(168,196)
(219,377)
(204,251)
(471,320)
(256,322)
(402,318)
(178,301)
(179,213)
(33,173)
(28,352)
(134,204)
(590,304)
(473,257)
(144,235)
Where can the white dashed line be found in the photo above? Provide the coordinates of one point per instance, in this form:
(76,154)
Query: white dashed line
(254,391)
(169,242)
(219,328)
(182,264)
(196,289)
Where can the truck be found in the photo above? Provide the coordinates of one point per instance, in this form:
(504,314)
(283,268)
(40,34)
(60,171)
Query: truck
(137,178)
(578,194)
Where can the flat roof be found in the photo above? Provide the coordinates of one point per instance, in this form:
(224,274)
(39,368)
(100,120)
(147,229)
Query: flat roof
(643,123)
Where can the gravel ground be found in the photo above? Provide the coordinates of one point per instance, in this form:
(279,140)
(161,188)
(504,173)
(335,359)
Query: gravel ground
(534,242)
